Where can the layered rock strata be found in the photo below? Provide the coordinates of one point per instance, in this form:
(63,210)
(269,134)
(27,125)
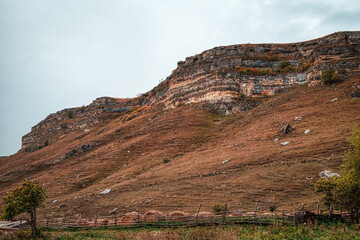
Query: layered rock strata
(221,78)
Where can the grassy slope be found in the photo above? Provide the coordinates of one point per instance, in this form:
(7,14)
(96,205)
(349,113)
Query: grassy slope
(130,161)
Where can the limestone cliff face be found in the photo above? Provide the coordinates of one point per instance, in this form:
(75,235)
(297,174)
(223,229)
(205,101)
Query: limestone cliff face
(221,73)
(57,124)
(218,77)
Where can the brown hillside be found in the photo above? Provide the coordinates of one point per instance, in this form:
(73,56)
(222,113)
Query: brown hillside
(197,142)
(165,149)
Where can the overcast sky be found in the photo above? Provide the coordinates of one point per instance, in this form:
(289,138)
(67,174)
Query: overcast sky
(56,54)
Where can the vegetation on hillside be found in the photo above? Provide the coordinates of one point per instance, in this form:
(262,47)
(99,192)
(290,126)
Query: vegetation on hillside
(24,199)
(344,192)
(309,231)
(330,76)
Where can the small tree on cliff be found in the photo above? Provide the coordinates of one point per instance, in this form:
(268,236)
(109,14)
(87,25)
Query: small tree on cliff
(344,191)
(24,199)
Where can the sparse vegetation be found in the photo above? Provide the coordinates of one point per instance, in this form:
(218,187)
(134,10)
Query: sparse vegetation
(277,231)
(344,192)
(165,160)
(70,114)
(284,67)
(330,76)
(217,208)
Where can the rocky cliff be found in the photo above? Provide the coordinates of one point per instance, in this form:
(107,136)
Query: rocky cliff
(223,78)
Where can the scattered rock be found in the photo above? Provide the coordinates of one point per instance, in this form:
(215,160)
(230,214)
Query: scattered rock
(334,99)
(69,154)
(149,200)
(63,205)
(87,130)
(106,191)
(284,143)
(79,137)
(276,140)
(226,161)
(55,201)
(77,176)
(128,152)
(286,129)
(328,174)
(114,211)
(84,148)
(298,118)
(99,132)
(354,91)
(307,131)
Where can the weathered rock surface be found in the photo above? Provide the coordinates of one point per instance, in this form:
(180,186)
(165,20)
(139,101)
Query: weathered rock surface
(222,79)
(328,174)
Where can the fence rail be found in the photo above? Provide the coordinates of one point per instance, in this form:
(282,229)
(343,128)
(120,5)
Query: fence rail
(183,219)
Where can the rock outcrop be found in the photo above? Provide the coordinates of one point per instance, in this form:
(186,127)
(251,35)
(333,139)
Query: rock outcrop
(222,78)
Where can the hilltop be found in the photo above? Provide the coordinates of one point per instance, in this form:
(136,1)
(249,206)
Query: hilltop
(206,134)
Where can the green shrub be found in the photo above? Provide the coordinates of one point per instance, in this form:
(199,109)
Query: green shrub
(284,67)
(218,208)
(70,114)
(273,206)
(330,76)
(166,160)
(242,95)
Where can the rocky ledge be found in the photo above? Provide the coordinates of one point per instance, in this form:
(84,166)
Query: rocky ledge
(222,78)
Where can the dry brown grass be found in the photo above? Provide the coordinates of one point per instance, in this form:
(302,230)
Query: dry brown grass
(197,142)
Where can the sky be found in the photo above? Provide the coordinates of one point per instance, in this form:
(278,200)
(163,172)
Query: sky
(57,54)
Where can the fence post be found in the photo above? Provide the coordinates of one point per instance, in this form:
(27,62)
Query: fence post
(138,218)
(283,216)
(294,216)
(302,213)
(318,209)
(256,207)
(224,214)
(197,213)
(115,219)
(47,222)
(330,210)
(95,220)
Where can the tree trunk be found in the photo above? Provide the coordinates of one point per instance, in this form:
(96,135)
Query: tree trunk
(34,231)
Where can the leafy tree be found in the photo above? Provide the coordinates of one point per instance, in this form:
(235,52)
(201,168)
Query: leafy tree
(344,191)
(24,199)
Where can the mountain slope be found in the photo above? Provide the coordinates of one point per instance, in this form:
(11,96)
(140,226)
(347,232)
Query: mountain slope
(120,144)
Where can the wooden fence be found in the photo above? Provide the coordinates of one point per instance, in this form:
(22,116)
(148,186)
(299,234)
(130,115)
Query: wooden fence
(199,218)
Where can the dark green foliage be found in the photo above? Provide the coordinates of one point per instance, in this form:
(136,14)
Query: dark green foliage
(218,208)
(70,114)
(24,199)
(273,207)
(344,192)
(330,76)
(166,160)
(284,67)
